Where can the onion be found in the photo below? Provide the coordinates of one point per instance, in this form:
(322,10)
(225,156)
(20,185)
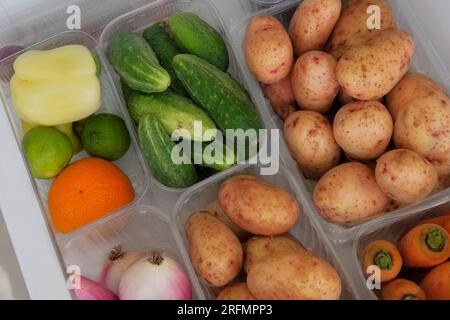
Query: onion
(117,264)
(156,277)
(91,290)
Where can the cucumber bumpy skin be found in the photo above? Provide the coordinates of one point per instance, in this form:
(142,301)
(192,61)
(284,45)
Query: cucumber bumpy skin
(193,35)
(136,63)
(157,147)
(174,111)
(165,49)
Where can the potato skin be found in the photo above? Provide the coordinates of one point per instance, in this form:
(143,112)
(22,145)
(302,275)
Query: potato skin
(216,210)
(268,49)
(215,251)
(413,86)
(257,206)
(294,276)
(370,71)
(312,24)
(423,123)
(351,29)
(237,291)
(363,129)
(349,194)
(310,139)
(314,81)
(260,247)
(281,97)
(405,176)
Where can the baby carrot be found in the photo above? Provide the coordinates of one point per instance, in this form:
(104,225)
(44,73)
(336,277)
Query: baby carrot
(385,255)
(436,283)
(425,246)
(401,289)
(443,221)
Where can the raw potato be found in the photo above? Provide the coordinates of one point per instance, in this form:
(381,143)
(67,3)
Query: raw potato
(314,81)
(268,49)
(215,251)
(370,71)
(349,194)
(216,210)
(294,276)
(260,247)
(312,24)
(351,29)
(257,206)
(412,87)
(423,121)
(363,129)
(237,291)
(310,139)
(405,176)
(281,97)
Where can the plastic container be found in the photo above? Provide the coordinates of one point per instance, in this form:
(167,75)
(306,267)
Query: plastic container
(426,61)
(198,198)
(390,230)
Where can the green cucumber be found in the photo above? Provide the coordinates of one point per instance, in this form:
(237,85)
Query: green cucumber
(157,147)
(216,92)
(126,90)
(208,158)
(136,63)
(165,49)
(174,111)
(193,35)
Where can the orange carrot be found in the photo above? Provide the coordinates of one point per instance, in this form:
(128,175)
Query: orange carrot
(401,289)
(436,283)
(425,246)
(385,255)
(443,221)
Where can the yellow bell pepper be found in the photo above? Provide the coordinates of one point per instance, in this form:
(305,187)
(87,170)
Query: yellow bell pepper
(55,87)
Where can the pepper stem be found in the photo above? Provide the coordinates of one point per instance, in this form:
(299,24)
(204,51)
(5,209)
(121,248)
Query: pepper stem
(383,260)
(436,240)
(410,297)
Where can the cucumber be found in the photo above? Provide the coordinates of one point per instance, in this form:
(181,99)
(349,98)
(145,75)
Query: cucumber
(193,35)
(174,111)
(209,158)
(165,49)
(136,63)
(157,147)
(216,92)
(126,90)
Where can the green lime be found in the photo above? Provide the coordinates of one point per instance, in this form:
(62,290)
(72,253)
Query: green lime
(105,136)
(48,151)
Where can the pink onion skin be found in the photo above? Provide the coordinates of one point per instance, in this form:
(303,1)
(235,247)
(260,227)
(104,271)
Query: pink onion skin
(91,290)
(113,270)
(145,280)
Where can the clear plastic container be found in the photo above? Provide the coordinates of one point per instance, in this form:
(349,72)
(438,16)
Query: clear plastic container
(198,198)
(426,60)
(390,230)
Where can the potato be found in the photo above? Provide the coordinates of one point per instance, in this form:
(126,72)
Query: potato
(351,29)
(268,49)
(257,206)
(344,98)
(314,81)
(310,139)
(296,275)
(237,291)
(410,88)
(313,23)
(281,97)
(216,210)
(363,129)
(260,247)
(370,71)
(215,251)
(423,121)
(349,194)
(405,176)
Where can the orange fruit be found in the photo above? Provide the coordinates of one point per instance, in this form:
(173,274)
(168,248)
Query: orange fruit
(85,191)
